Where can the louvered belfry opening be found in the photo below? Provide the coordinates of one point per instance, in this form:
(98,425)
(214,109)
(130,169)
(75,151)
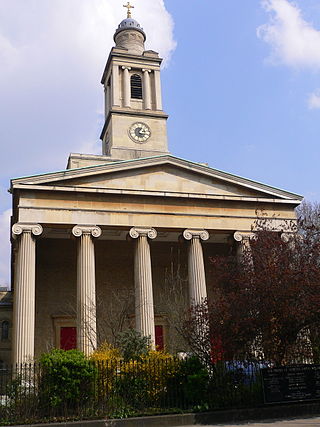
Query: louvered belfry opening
(136,86)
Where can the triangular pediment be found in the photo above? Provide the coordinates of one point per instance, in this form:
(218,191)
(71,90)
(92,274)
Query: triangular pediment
(161,174)
(162,178)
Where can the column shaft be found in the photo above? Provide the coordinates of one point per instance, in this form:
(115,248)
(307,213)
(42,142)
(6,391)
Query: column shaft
(196,269)
(144,308)
(197,277)
(147,89)
(24,294)
(243,248)
(86,289)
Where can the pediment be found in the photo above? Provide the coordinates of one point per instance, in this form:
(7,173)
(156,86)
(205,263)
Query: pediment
(165,178)
(161,174)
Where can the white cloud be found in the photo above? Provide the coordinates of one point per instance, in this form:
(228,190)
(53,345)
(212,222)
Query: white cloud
(45,32)
(5,247)
(294,41)
(314,100)
(52,55)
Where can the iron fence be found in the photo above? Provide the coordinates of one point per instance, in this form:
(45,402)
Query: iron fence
(120,389)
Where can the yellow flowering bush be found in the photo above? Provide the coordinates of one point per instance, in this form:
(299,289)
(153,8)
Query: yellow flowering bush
(144,381)
(106,352)
(107,359)
(135,381)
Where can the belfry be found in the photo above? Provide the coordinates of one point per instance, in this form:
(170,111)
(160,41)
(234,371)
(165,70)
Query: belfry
(123,239)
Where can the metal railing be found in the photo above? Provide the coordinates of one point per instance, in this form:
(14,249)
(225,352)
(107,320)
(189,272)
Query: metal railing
(28,393)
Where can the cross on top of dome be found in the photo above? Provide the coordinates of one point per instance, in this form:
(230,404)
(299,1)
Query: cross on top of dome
(129,7)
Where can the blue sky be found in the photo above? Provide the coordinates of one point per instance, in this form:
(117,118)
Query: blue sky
(238,106)
(241,84)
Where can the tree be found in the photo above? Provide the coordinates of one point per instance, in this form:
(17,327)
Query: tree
(268,305)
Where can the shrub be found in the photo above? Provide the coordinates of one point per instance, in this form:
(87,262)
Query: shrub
(67,378)
(106,352)
(192,380)
(133,383)
(133,345)
(143,383)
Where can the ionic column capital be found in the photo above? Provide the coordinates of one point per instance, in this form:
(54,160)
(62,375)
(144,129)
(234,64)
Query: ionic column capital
(137,232)
(241,236)
(80,230)
(145,70)
(196,234)
(126,68)
(19,228)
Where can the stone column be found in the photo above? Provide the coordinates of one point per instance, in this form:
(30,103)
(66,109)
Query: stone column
(157,83)
(24,292)
(126,87)
(115,86)
(243,240)
(147,89)
(144,310)
(196,270)
(86,288)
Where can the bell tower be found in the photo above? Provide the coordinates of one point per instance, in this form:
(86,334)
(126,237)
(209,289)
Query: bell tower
(135,123)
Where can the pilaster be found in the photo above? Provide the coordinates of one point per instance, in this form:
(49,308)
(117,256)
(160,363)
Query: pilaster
(115,86)
(158,94)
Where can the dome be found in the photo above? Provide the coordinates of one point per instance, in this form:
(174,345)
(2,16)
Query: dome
(130,24)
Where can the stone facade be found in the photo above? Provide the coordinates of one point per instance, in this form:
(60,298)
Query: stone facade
(117,204)
(5,328)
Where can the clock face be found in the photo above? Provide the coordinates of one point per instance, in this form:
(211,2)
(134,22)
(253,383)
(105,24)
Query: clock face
(139,132)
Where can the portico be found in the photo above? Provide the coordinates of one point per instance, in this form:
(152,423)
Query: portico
(86,206)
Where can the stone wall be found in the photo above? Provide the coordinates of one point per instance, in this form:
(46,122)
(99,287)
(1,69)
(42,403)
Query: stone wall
(56,287)
(5,316)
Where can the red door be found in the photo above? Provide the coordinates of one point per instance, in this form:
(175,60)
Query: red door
(159,338)
(68,338)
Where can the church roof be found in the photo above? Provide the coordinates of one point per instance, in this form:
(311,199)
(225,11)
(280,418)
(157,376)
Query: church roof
(55,179)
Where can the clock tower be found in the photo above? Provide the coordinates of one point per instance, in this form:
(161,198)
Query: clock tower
(135,123)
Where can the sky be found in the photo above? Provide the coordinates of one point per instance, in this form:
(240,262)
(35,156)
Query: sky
(240,81)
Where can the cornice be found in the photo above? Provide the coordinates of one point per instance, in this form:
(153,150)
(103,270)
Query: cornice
(155,193)
(128,58)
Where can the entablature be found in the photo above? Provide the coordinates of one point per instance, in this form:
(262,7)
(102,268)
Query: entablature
(155,193)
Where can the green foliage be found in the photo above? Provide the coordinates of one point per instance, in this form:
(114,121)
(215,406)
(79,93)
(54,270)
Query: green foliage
(192,379)
(67,378)
(133,345)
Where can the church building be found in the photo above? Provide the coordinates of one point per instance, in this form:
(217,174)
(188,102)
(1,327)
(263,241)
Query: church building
(123,239)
